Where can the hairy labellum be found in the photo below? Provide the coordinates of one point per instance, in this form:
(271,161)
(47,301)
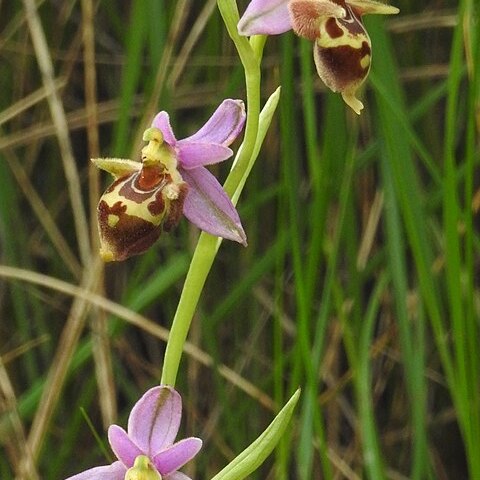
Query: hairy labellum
(342,55)
(146,199)
(342,47)
(133,213)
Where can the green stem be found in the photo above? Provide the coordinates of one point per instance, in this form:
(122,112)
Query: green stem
(208,245)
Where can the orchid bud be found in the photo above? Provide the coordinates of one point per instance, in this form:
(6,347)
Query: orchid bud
(145,199)
(142,470)
(342,47)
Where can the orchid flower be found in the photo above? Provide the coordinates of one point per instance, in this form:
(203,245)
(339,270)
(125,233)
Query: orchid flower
(342,48)
(149,197)
(147,451)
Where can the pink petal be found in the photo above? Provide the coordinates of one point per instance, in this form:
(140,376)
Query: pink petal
(268,17)
(125,450)
(115,471)
(209,208)
(223,126)
(193,154)
(177,455)
(176,476)
(154,420)
(162,122)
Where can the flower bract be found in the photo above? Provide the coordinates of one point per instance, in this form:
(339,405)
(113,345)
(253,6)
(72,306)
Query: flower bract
(146,451)
(342,48)
(149,197)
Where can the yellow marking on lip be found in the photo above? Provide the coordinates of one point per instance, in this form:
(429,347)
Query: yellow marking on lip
(354,41)
(112,220)
(106,255)
(365,61)
(133,208)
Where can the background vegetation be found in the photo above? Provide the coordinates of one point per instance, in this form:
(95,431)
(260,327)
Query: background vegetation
(360,282)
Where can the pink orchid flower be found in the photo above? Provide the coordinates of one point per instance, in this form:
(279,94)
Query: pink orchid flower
(149,197)
(147,451)
(342,48)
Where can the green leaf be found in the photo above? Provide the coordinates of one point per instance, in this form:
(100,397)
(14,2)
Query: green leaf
(264,121)
(254,455)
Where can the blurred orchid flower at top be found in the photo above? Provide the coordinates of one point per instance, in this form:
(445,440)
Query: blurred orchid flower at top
(147,451)
(149,197)
(342,48)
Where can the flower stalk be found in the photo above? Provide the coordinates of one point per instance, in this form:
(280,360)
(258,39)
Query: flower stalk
(208,245)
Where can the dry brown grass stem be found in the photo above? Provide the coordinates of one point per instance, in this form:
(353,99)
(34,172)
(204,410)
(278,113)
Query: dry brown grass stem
(59,367)
(425,72)
(343,466)
(17,447)
(107,112)
(43,214)
(419,21)
(61,128)
(22,349)
(368,238)
(266,300)
(15,24)
(139,321)
(90,81)
(101,342)
(25,103)
(189,44)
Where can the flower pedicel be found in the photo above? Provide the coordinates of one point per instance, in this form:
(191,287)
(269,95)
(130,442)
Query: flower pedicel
(150,196)
(342,48)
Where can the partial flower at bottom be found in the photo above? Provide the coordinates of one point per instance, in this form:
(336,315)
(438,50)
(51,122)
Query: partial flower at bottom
(146,451)
(342,48)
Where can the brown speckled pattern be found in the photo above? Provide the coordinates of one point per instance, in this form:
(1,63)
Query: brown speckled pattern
(135,209)
(130,236)
(345,64)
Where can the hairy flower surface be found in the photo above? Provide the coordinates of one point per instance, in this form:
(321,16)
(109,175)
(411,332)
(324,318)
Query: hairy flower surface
(146,451)
(342,48)
(149,197)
